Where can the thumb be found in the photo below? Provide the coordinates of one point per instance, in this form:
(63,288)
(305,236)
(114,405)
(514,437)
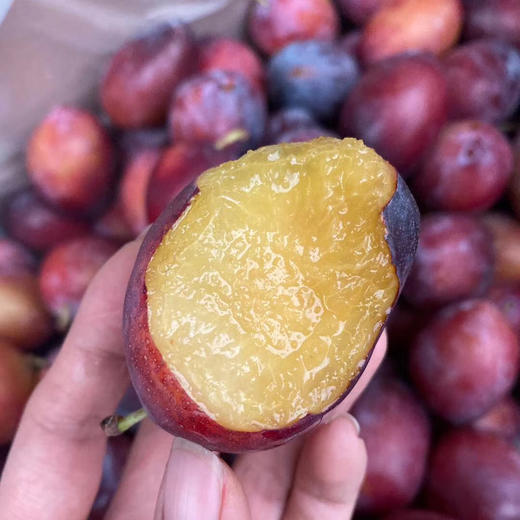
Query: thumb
(192,485)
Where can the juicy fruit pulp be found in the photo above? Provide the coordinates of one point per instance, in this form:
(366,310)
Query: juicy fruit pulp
(268,293)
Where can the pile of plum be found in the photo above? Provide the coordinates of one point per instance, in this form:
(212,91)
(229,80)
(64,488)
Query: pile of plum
(434,87)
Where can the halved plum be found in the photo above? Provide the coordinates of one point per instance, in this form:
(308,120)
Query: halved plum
(259,293)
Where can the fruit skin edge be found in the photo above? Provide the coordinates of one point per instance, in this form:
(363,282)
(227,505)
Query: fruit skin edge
(402,220)
(164,399)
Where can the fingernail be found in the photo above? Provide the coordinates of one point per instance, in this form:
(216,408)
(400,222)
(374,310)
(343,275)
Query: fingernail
(193,483)
(354,422)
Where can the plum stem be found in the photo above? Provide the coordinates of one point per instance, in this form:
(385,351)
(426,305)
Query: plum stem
(114,425)
(232,137)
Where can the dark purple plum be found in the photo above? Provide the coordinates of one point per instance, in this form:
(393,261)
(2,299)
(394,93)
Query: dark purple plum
(465,360)
(208,106)
(133,188)
(474,476)
(396,432)
(483,79)
(468,168)
(454,260)
(397,108)
(114,225)
(143,74)
(314,75)
(36,224)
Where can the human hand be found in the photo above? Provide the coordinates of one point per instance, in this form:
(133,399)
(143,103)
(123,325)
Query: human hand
(54,466)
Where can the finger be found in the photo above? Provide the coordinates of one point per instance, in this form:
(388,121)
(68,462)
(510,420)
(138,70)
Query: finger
(54,467)
(266,476)
(234,501)
(198,484)
(137,494)
(329,474)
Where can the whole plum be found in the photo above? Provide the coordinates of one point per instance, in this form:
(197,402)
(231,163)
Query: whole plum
(411,25)
(454,260)
(70,160)
(398,107)
(475,475)
(465,360)
(313,75)
(39,226)
(467,169)
(483,79)
(143,74)
(273,24)
(208,106)
(396,431)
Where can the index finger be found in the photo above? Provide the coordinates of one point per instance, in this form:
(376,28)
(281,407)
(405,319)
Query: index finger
(54,467)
